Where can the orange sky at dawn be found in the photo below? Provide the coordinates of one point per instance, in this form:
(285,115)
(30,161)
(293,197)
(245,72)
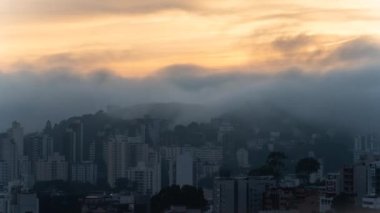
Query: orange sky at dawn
(137,38)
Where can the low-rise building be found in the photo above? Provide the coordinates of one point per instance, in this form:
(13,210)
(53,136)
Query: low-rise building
(240,194)
(371,202)
(325,203)
(25,203)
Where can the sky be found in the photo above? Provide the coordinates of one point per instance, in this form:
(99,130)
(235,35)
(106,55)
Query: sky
(138,38)
(313,59)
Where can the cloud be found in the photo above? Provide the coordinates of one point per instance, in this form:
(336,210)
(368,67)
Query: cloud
(85,7)
(304,52)
(85,60)
(342,97)
(67,58)
(317,14)
(321,53)
(193,78)
(359,49)
(292,44)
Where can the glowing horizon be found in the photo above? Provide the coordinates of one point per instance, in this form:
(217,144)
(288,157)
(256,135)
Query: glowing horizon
(136,39)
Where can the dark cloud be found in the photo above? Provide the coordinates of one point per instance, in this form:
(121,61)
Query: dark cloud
(312,14)
(319,53)
(293,43)
(358,49)
(347,97)
(90,7)
(193,78)
(80,58)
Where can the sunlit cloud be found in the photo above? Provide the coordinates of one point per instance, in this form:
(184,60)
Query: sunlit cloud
(136,38)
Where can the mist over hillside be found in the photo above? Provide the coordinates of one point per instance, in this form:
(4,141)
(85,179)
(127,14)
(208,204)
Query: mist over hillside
(347,99)
(177,113)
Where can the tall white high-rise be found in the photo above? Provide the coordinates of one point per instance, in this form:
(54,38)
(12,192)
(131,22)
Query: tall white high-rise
(223,129)
(116,158)
(242,156)
(16,133)
(85,172)
(366,147)
(147,180)
(9,157)
(54,168)
(184,169)
(373,181)
(74,142)
(123,153)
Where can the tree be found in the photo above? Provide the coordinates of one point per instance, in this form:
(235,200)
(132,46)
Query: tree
(188,196)
(264,170)
(224,172)
(275,161)
(206,182)
(305,167)
(343,202)
(123,184)
(274,166)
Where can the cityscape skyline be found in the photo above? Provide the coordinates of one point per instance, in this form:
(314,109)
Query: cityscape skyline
(189,106)
(237,166)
